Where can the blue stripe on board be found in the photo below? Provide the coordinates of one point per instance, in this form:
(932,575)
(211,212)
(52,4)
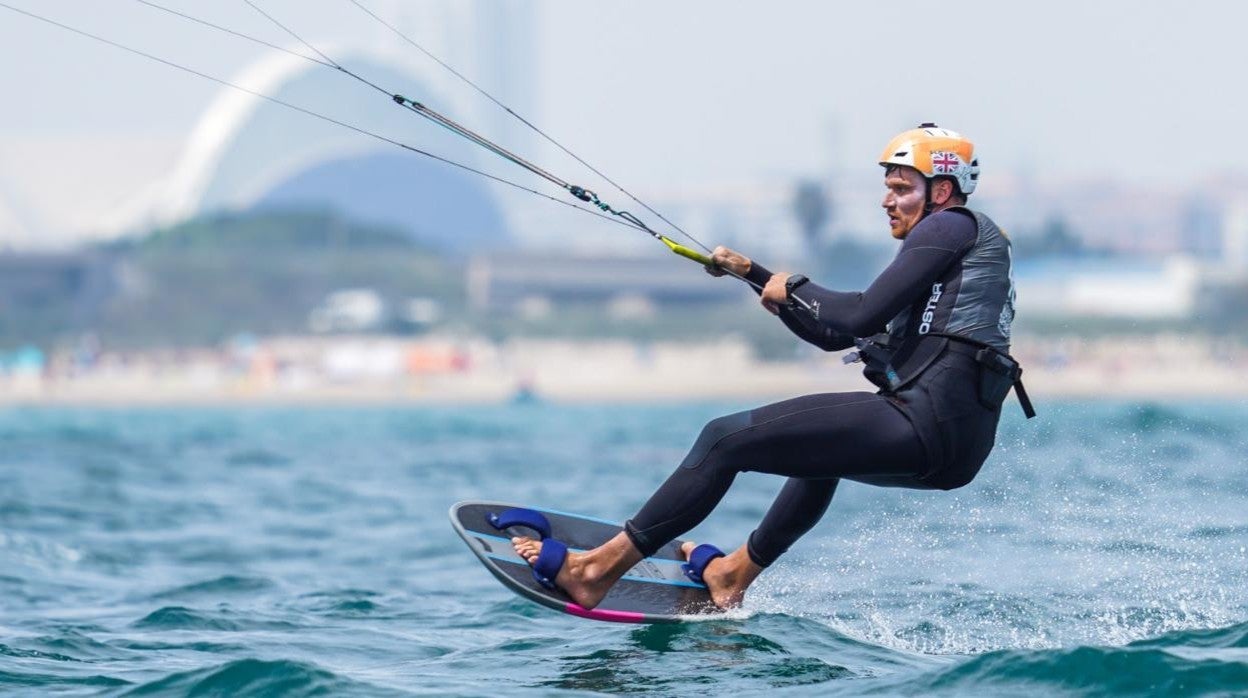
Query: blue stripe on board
(669,582)
(579,516)
(656,560)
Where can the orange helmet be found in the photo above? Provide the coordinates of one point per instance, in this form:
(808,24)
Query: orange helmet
(935,152)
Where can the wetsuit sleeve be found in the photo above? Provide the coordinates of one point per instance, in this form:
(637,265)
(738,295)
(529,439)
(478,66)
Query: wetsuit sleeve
(935,243)
(799,321)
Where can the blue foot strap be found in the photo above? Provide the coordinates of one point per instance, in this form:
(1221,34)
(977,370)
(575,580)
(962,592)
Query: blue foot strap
(549,562)
(699,559)
(521,517)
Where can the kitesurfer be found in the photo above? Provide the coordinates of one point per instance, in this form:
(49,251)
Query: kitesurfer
(933,331)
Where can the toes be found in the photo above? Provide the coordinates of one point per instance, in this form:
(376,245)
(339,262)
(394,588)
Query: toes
(526,548)
(687,547)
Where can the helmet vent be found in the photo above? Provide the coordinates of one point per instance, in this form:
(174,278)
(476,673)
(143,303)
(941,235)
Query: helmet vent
(900,154)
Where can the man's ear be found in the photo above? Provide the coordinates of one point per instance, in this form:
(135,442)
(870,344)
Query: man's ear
(942,191)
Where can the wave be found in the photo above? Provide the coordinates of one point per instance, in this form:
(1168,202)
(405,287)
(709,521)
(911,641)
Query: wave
(258,457)
(254,677)
(229,584)
(1232,637)
(75,645)
(20,653)
(192,646)
(656,660)
(344,603)
(183,618)
(1149,667)
(16,680)
(1149,417)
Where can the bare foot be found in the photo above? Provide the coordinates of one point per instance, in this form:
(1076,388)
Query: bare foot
(727,577)
(587,576)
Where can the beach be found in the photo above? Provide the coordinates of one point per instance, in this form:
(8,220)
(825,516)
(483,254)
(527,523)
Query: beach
(452,370)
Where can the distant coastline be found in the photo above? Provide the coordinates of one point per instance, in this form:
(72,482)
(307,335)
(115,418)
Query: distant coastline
(389,370)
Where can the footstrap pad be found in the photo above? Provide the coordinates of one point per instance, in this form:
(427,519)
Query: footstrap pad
(521,517)
(699,559)
(549,562)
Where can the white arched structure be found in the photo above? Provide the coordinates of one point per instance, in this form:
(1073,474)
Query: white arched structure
(215,172)
(215,130)
(244,146)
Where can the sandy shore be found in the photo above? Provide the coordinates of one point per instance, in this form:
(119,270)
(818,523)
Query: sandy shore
(589,376)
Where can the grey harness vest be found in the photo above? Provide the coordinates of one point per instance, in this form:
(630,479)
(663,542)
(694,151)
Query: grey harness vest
(977,304)
(972,306)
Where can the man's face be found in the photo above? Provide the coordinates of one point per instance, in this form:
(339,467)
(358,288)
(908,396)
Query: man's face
(904,200)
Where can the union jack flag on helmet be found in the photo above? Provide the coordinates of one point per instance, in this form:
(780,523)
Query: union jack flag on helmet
(935,151)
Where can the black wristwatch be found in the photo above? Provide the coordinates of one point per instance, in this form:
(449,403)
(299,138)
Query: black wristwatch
(792,283)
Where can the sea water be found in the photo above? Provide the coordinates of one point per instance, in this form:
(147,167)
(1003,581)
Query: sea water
(300,551)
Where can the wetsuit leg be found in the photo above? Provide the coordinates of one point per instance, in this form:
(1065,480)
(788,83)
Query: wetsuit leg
(814,437)
(798,507)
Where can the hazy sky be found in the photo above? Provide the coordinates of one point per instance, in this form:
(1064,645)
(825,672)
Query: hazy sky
(677,94)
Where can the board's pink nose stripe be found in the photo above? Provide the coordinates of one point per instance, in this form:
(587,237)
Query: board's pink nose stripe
(613,616)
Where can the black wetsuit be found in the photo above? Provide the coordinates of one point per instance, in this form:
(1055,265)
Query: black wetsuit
(927,428)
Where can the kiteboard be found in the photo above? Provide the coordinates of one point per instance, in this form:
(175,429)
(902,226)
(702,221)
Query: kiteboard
(656,590)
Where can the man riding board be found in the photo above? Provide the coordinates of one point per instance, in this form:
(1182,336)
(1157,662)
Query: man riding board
(933,331)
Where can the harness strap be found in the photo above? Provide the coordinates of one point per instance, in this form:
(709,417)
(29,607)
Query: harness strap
(1024,400)
(1021,392)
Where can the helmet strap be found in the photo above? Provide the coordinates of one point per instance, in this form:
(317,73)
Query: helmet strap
(927,197)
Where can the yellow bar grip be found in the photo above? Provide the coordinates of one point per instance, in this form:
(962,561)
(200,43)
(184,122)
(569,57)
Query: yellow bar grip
(686,252)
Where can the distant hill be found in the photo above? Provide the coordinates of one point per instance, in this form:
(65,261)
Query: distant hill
(433,203)
(206,280)
(289,230)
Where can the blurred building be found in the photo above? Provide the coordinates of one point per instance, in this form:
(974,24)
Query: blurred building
(626,286)
(1108,287)
(1203,228)
(364,310)
(52,289)
(1234,225)
(348,310)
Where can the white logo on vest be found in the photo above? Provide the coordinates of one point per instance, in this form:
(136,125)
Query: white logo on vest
(929,312)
